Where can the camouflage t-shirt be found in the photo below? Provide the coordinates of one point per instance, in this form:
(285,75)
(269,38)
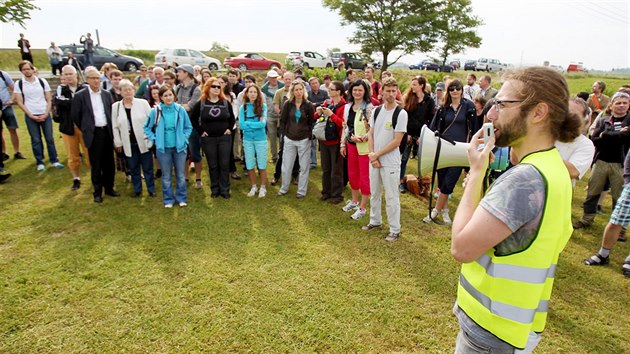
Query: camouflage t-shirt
(517,199)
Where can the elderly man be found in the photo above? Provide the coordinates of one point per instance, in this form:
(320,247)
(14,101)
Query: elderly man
(510,249)
(92,113)
(269,89)
(610,137)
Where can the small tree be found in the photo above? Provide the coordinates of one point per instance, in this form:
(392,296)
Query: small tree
(457,28)
(16,11)
(389,25)
(329,51)
(218,47)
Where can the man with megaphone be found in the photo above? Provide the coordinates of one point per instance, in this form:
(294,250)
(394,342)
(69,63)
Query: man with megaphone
(509,239)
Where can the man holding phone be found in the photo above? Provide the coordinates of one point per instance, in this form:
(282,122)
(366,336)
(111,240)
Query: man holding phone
(509,249)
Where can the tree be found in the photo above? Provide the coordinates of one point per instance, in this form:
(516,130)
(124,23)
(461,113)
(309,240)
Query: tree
(16,11)
(388,25)
(457,28)
(218,47)
(329,51)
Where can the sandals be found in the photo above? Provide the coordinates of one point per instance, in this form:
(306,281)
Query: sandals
(596,260)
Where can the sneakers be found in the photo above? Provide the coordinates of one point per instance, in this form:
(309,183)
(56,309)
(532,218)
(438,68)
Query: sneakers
(369,227)
(446,218)
(252,192)
(429,218)
(168,206)
(41,168)
(262,193)
(18,156)
(350,205)
(281,193)
(183,204)
(392,237)
(359,214)
(76,184)
(57,165)
(198,184)
(235,176)
(402,188)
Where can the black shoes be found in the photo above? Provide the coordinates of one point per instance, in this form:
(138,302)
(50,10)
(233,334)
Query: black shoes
(112,193)
(98,199)
(76,184)
(5,156)
(18,156)
(4,177)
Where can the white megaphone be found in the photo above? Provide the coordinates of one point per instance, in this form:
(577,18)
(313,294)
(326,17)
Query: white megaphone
(450,155)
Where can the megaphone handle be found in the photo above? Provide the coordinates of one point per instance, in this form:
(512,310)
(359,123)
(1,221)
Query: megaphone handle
(433,174)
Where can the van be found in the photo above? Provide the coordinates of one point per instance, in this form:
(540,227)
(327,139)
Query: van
(575,67)
(485,64)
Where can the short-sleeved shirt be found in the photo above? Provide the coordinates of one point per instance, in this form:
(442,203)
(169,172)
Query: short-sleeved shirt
(579,152)
(5,95)
(34,95)
(517,198)
(384,133)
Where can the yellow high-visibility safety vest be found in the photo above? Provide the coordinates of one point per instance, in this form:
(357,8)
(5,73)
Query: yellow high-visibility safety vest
(509,295)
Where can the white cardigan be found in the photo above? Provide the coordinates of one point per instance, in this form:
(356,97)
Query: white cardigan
(120,125)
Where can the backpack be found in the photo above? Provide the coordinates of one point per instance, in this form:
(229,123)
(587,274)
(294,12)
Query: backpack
(158,113)
(41,82)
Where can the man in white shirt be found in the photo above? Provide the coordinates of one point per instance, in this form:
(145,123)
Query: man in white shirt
(471,89)
(388,125)
(92,113)
(32,95)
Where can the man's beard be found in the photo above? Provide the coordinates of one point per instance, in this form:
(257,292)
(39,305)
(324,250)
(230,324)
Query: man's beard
(511,132)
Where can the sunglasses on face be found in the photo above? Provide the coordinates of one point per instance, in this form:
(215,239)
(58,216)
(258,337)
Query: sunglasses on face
(454,88)
(215,86)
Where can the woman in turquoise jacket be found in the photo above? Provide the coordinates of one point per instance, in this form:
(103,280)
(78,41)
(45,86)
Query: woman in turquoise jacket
(253,121)
(168,127)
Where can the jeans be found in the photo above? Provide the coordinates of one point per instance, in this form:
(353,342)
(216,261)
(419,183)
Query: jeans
(403,160)
(168,159)
(35,130)
(218,151)
(145,161)
(88,59)
(313,152)
(388,178)
(301,149)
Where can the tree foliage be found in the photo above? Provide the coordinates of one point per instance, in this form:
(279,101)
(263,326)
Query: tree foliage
(389,25)
(457,28)
(218,47)
(16,11)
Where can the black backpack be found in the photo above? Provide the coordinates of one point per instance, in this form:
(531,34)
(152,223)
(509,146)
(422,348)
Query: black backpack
(41,82)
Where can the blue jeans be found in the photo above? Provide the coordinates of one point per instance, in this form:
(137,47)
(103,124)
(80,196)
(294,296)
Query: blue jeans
(145,161)
(88,59)
(403,160)
(168,159)
(35,130)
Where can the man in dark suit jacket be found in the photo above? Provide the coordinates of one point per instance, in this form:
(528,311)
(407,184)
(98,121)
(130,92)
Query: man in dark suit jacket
(25,48)
(71,60)
(92,113)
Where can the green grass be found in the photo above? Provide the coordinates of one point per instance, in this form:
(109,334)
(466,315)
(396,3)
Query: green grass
(263,275)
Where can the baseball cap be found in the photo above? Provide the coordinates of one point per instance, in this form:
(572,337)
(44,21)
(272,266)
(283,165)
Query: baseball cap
(439,86)
(272,73)
(187,68)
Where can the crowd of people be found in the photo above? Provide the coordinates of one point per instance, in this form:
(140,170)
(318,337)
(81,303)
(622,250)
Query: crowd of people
(161,124)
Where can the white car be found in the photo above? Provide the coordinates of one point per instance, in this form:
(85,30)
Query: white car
(308,59)
(166,57)
(485,64)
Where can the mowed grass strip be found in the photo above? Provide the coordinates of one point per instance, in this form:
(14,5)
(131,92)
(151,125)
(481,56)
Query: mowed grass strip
(266,275)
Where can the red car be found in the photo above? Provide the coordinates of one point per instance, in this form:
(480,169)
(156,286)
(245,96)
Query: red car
(250,61)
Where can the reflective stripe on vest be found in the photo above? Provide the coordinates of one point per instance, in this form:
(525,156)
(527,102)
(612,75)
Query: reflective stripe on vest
(514,272)
(514,313)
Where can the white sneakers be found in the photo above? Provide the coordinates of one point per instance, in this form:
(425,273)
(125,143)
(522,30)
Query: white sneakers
(261,193)
(446,219)
(359,214)
(350,205)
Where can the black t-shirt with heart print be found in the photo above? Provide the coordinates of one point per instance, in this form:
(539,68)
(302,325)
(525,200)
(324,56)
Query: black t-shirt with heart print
(213,118)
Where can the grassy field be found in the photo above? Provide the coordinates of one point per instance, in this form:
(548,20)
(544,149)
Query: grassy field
(262,275)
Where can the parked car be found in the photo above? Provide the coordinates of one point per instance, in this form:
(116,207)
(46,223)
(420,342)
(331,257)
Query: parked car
(185,56)
(430,65)
(350,60)
(485,64)
(250,61)
(103,55)
(470,65)
(308,59)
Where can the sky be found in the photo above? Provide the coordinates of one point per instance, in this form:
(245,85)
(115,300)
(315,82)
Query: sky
(519,32)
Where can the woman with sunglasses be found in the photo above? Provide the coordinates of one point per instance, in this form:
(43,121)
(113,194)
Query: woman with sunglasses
(332,161)
(230,96)
(354,146)
(455,120)
(213,118)
(420,108)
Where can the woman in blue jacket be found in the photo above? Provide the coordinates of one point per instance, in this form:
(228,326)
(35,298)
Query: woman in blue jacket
(253,121)
(168,127)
